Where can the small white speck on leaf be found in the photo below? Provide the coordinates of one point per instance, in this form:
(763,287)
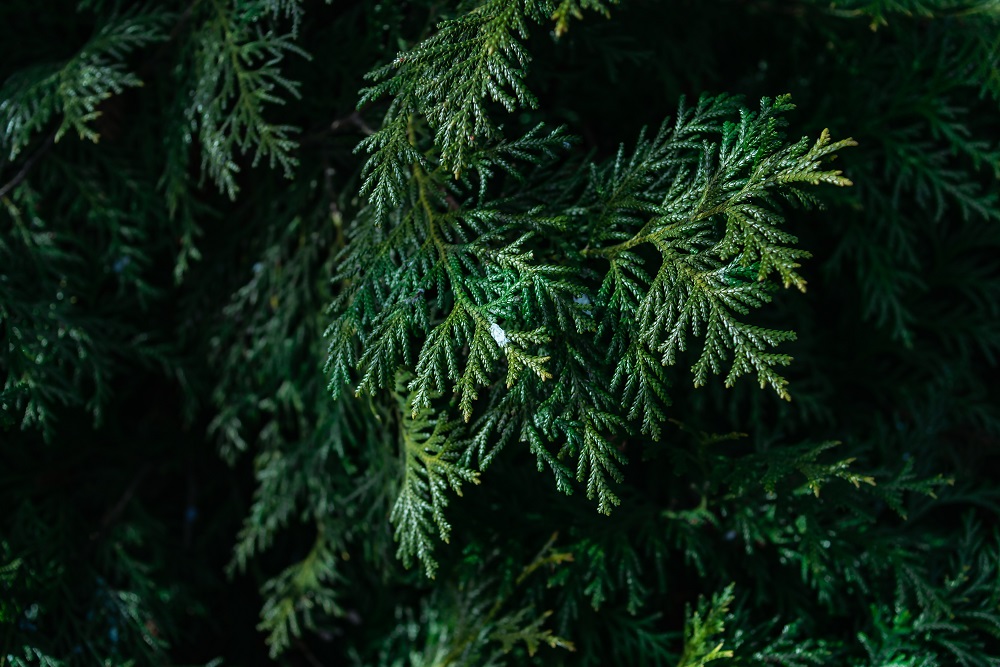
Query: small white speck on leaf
(499,335)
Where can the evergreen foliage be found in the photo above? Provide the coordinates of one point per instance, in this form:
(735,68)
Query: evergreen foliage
(332,333)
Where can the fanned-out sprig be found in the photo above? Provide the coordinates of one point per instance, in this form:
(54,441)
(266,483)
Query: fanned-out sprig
(566,10)
(459,275)
(431,471)
(703,193)
(72,91)
(452,80)
(703,628)
(449,79)
(299,594)
(502,303)
(237,77)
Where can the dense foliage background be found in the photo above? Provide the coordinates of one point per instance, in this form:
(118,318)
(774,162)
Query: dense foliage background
(187,476)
